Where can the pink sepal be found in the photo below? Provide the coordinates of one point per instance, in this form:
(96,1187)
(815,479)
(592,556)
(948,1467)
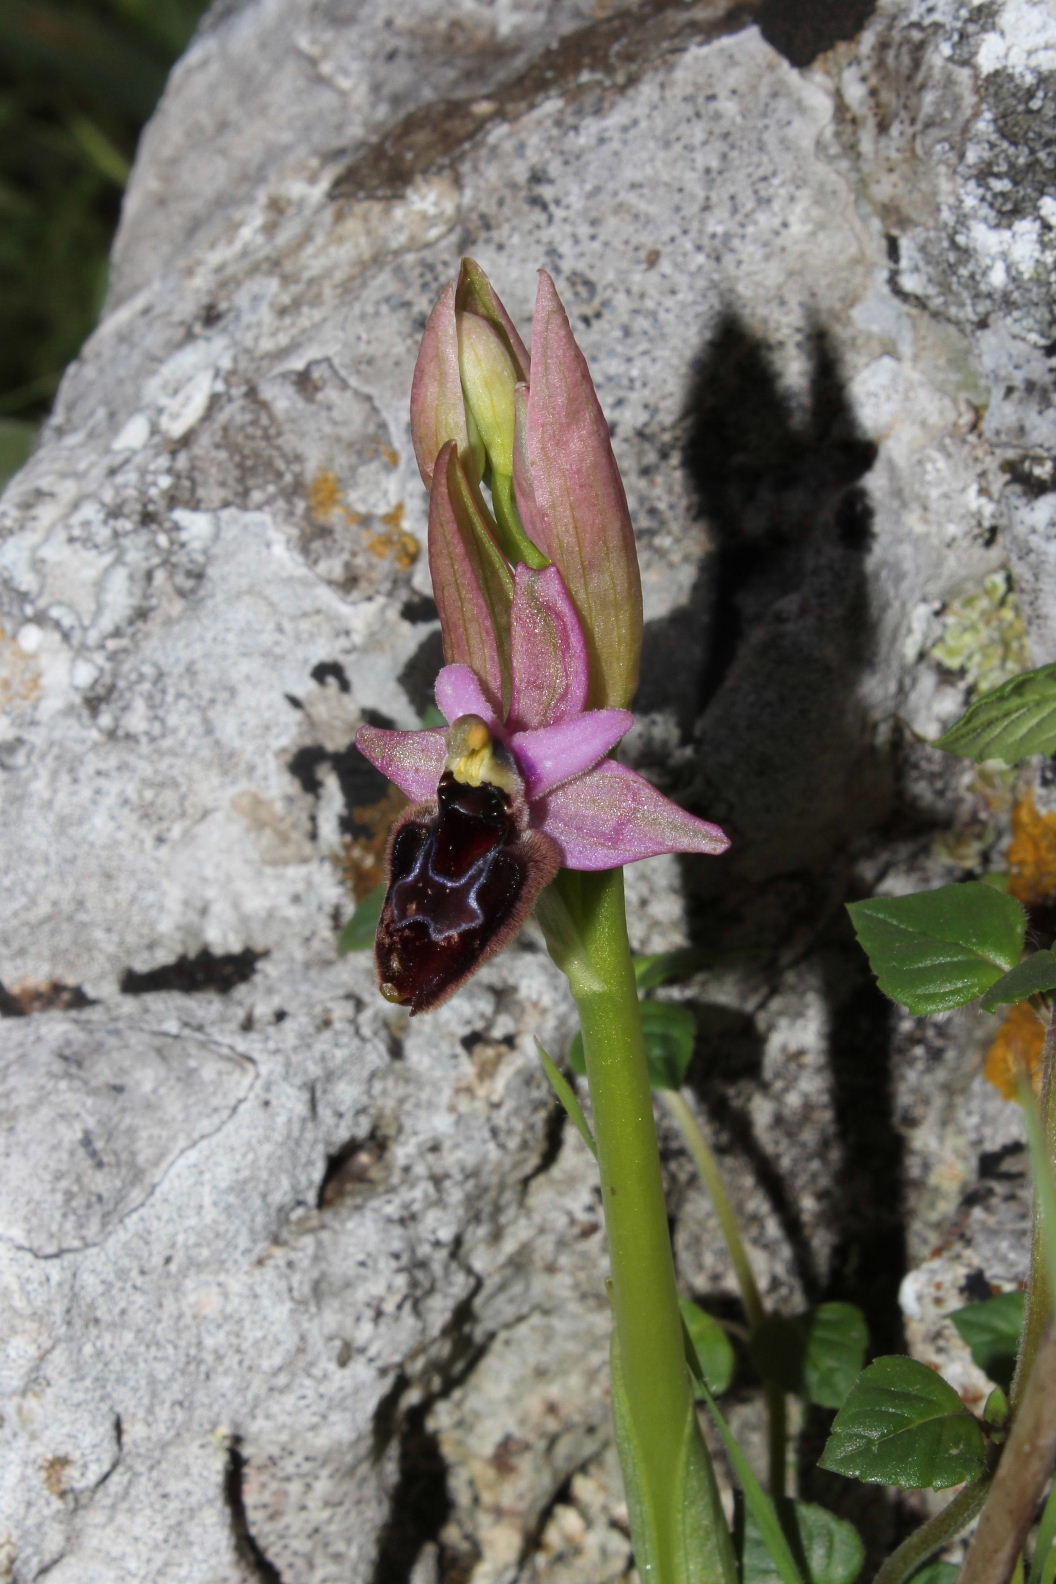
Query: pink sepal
(572,502)
(612,816)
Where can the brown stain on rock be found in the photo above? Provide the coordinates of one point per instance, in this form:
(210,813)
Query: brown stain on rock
(611,52)
(55,1471)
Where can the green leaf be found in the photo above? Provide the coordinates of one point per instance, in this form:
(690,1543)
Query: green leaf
(829,1548)
(358,934)
(904,1425)
(577,1056)
(992,1330)
(938,949)
(817,1355)
(1032,976)
(1011,722)
(996,1410)
(567,1096)
(431,717)
(712,1349)
(937,1573)
(670,1033)
(837,1337)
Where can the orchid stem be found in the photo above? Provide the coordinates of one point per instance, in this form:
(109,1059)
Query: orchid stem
(678,1513)
(703,1157)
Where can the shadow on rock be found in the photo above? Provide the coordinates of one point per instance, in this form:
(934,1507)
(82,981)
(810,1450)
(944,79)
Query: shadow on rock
(789,764)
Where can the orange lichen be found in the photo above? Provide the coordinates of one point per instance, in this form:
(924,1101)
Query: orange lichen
(1032,881)
(326,499)
(396,541)
(1016,1051)
(1032,854)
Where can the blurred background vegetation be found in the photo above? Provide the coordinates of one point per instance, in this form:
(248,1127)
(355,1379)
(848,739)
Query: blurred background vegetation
(78,80)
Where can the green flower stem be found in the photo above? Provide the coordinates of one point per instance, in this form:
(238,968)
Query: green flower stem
(704,1159)
(656,1387)
(515,542)
(938,1531)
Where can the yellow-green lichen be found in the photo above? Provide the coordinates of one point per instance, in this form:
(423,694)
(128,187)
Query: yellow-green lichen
(984,639)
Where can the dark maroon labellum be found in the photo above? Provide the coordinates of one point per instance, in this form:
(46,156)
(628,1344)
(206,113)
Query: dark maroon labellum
(463,877)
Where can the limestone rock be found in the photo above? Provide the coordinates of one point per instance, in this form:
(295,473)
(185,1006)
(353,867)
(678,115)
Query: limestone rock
(295,1289)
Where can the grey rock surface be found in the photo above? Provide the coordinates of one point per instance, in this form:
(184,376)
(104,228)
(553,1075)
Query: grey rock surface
(297,1290)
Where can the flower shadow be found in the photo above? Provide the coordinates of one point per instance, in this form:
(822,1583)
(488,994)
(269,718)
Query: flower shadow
(781,632)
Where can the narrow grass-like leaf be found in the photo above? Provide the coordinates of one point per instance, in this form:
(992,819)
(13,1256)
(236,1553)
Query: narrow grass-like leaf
(358,934)
(992,1330)
(837,1337)
(830,1547)
(712,1349)
(1011,722)
(904,1425)
(938,949)
(756,1500)
(567,1096)
(1032,976)
(1043,1562)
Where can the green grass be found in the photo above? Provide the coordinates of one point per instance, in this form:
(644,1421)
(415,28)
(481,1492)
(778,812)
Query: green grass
(78,80)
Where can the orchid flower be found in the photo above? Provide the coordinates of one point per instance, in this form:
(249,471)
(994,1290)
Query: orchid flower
(547,756)
(600,813)
(525,646)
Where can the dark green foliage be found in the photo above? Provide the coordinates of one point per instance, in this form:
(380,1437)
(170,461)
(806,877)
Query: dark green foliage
(77,83)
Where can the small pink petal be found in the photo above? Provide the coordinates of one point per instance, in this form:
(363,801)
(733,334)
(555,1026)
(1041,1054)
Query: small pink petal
(548,651)
(459,692)
(612,816)
(413,760)
(553,754)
